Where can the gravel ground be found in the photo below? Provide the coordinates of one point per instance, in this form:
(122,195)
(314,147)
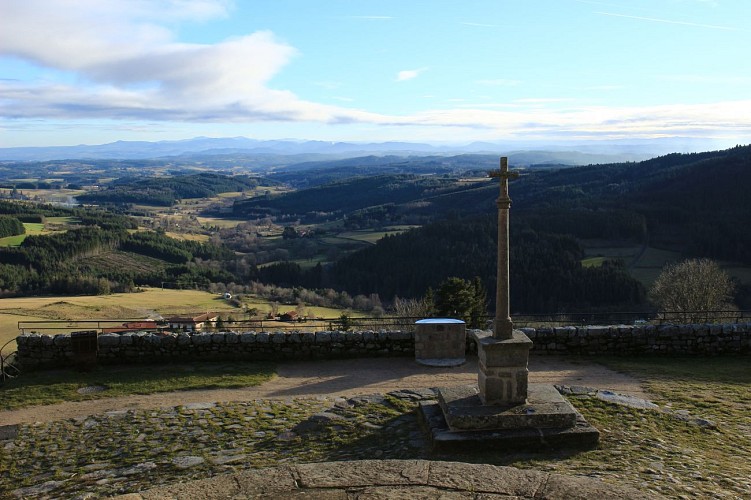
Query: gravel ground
(344,378)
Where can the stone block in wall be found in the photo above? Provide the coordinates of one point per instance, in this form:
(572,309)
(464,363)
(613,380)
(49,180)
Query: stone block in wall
(278,337)
(150,339)
(666,331)
(529,332)
(61,340)
(596,331)
(183,339)
(109,340)
(262,337)
(200,338)
(168,340)
(126,339)
(218,338)
(564,331)
(248,338)
(31,340)
(294,337)
(729,328)
(231,337)
(625,329)
(400,335)
(323,337)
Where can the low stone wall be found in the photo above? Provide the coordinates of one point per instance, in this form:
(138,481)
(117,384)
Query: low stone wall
(625,340)
(37,351)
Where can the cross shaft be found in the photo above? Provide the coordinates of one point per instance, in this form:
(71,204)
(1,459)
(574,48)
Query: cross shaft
(503,326)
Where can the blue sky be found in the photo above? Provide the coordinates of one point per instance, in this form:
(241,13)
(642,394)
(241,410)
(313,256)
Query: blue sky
(546,71)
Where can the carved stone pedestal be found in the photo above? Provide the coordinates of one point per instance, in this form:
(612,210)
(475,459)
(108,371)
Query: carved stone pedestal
(503,368)
(503,409)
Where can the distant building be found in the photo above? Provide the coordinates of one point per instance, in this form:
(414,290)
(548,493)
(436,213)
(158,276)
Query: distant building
(288,316)
(135,326)
(193,323)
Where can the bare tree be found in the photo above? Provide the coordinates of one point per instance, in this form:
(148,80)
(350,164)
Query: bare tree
(413,308)
(693,291)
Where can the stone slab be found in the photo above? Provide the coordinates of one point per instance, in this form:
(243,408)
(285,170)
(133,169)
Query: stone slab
(545,408)
(424,480)
(442,362)
(582,436)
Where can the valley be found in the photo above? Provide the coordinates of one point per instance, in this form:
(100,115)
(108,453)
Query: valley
(352,234)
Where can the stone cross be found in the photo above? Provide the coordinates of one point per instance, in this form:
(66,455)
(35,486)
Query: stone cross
(503,326)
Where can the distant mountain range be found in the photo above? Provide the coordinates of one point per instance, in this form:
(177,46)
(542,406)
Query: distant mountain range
(526,153)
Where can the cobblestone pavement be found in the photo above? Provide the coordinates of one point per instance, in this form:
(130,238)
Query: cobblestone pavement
(127,451)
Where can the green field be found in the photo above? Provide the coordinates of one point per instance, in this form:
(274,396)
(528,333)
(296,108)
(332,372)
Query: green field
(32,228)
(12,241)
(149,303)
(366,236)
(116,306)
(593,261)
(650,264)
(220,223)
(62,221)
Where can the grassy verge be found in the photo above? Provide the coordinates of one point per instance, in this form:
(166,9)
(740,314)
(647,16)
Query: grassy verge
(50,387)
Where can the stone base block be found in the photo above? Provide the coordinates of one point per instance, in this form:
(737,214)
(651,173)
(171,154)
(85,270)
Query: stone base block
(442,362)
(544,408)
(503,368)
(581,436)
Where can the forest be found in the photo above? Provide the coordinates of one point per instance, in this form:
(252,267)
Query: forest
(166,191)
(691,204)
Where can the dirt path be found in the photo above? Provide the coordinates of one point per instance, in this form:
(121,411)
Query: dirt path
(339,378)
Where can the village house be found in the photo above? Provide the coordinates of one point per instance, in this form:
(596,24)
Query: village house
(193,323)
(136,326)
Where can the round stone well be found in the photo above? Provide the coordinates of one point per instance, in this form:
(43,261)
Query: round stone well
(440,342)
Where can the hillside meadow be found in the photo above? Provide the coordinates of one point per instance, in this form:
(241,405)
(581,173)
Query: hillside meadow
(149,303)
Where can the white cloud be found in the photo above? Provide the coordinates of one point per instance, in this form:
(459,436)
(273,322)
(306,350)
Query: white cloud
(126,64)
(409,74)
(117,60)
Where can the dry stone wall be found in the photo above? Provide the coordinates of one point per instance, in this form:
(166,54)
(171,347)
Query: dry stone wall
(37,351)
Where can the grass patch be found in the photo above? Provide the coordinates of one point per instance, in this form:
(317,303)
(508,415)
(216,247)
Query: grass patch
(32,228)
(367,236)
(718,388)
(50,387)
(130,305)
(63,220)
(188,236)
(593,261)
(220,223)
(12,241)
